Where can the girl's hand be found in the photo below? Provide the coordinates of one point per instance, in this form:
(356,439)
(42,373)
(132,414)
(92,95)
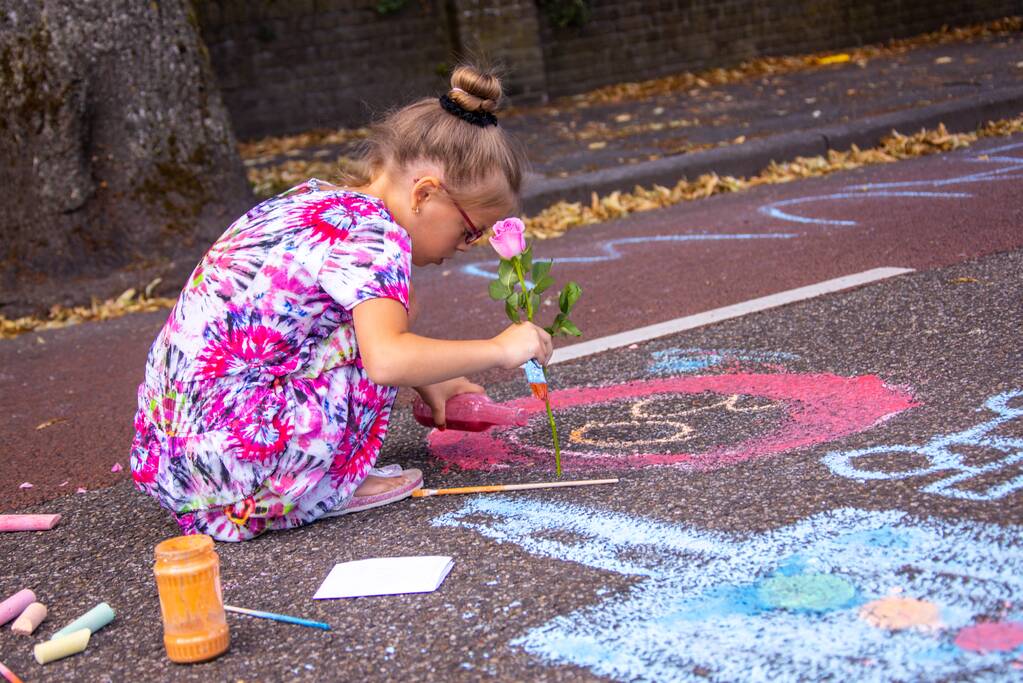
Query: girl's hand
(521,341)
(436,395)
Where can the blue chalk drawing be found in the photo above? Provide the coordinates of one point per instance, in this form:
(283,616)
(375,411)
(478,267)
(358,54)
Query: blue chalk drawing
(942,456)
(1012,169)
(488,269)
(684,361)
(698,612)
(773,211)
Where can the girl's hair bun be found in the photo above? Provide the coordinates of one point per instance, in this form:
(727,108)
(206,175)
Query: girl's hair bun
(475,89)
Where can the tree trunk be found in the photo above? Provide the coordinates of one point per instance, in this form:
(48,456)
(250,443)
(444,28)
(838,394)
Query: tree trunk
(117,160)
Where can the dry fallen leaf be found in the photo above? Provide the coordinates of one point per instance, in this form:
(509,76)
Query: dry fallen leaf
(963,280)
(943,60)
(597,145)
(841,58)
(50,423)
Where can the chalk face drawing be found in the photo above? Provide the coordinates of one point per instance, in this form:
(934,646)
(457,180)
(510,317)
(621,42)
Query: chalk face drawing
(805,409)
(783,605)
(946,453)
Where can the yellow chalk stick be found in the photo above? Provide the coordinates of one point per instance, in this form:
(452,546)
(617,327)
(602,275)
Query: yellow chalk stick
(65,646)
(29,619)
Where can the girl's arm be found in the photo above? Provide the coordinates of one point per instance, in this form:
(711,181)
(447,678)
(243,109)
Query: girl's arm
(393,356)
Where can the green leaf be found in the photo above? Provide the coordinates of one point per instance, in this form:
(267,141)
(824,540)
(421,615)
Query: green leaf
(511,311)
(522,300)
(535,300)
(499,290)
(506,272)
(543,283)
(540,270)
(526,258)
(569,328)
(569,295)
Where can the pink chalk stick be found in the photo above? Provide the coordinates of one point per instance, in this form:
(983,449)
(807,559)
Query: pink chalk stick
(15,605)
(28,522)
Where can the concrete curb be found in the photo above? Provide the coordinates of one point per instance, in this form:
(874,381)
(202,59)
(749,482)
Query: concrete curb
(960,115)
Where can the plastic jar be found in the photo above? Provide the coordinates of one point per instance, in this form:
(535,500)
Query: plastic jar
(188,577)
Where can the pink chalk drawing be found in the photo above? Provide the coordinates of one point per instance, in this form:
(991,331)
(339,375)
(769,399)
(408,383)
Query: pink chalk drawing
(815,408)
(992,636)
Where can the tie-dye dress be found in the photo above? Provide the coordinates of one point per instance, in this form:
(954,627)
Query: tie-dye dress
(256,412)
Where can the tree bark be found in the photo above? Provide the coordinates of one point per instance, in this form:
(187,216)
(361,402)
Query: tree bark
(117,160)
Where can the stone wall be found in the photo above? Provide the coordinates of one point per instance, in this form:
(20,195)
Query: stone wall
(290,65)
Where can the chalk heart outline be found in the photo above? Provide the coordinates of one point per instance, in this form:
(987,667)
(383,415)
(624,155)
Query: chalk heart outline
(818,408)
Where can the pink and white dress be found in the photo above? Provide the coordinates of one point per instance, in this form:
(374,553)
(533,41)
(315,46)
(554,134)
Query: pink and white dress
(256,412)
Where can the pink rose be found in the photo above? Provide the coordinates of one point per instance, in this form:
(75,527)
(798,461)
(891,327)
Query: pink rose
(509,238)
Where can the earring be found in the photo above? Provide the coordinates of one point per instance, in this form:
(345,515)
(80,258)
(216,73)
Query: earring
(416,210)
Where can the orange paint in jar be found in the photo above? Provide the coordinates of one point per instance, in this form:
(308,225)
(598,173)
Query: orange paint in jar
(188,577)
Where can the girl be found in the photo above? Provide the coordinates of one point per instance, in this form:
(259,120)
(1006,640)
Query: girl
(268,391)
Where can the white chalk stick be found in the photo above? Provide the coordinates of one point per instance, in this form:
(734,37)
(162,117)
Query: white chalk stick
(30,619)
(15,605)
(28,522)
(59,648)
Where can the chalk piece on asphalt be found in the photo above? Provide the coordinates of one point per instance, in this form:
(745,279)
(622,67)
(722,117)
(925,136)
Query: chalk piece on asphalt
(59,648)
(28,522)
(29,619)
(95,619)
(15,605)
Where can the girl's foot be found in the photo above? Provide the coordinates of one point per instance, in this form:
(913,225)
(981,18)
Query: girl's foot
(375,491)
(373,485)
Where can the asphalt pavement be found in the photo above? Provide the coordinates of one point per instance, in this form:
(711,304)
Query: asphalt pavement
(810,528)
(826,490)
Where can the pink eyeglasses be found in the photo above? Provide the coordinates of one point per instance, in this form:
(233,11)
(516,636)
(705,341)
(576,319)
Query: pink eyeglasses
(472,234)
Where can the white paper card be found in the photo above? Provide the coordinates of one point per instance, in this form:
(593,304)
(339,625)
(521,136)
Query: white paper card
(385,576)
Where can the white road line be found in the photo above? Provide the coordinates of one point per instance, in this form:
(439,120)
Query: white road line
(689,322)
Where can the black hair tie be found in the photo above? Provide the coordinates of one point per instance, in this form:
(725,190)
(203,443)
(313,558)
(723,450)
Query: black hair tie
(477,118)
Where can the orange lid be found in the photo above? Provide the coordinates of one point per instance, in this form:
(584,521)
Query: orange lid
(183,547)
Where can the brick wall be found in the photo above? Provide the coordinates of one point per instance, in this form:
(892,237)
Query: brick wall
(639,39)
(290,65)
(508,32)
(286,66)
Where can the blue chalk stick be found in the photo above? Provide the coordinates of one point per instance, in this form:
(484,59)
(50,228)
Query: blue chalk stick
(95,619)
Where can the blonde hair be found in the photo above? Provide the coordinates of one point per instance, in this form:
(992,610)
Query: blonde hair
(470,154)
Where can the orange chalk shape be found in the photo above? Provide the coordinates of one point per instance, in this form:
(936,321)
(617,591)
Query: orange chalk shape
(29,619)
(188,577)
(896,614)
